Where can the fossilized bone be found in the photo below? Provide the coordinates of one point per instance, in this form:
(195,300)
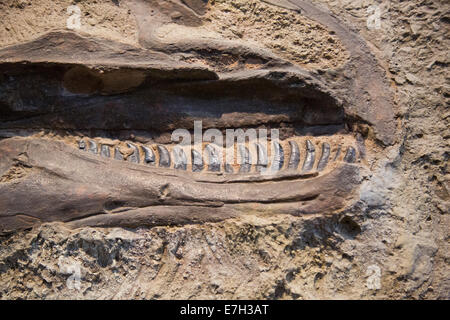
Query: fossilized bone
(86,121)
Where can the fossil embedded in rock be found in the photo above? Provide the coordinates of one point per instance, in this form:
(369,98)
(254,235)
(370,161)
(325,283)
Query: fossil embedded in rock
(128,99)
(197,161)
(214,161)
(134,157)
(246,164)
(104,151)
(212,152)
(179,158)
(338,153)
(82,145)
(262,160)
(350,156)
(164,157)
(149,155)
(310,156)
(294,158)
(278,156)
(324,157)
(92,147)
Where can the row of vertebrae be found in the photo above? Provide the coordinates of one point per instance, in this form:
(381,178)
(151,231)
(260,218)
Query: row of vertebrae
(214,159)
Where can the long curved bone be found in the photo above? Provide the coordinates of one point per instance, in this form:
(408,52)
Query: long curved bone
(121,186)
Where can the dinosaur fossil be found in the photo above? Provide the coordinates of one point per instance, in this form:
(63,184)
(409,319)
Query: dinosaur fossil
(86,121)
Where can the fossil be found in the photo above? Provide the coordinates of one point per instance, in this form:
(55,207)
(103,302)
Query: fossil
(149,154)
(88,121)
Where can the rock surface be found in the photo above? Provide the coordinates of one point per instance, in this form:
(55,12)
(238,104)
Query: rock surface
(391,243)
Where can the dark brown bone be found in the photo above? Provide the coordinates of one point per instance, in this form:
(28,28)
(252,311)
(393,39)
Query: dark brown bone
(61,183)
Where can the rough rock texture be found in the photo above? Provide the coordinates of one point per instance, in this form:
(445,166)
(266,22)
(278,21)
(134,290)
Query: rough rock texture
(20,20)
(396,231)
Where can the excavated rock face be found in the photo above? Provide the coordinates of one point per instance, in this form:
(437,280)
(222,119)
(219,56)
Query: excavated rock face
(90,179)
